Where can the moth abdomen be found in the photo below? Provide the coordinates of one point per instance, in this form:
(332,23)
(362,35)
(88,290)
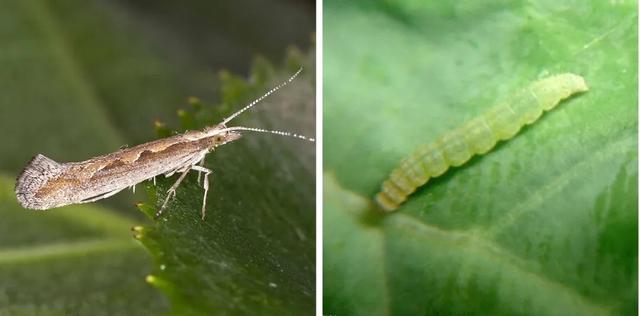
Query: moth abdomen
(477,136)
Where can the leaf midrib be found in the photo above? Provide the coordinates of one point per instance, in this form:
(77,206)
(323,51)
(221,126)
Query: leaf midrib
(35,254)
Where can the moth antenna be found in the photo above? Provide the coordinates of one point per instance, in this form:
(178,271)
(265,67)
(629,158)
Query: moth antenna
(260,130)
(262,97)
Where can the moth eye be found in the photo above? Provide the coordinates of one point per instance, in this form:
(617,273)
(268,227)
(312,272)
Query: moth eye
(219,139)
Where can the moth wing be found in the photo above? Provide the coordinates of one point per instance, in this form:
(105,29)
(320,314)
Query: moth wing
(35,175)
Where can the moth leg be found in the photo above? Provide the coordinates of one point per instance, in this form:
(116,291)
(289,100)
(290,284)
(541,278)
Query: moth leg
(189,162)
(102,196)
(177,170)
(172,191)
(173,171)
(205,184)
(200,164)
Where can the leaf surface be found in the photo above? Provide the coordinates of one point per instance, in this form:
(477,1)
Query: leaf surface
(255,252)
(79,260)
(545,223)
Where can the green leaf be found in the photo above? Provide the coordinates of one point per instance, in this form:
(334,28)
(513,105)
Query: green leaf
(545,223)
(255,252)
(70,262)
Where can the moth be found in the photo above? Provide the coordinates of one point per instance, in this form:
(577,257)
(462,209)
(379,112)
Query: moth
(45,183)
(476,137)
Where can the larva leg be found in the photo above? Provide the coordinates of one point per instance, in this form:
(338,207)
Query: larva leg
(172,191)
(205,184)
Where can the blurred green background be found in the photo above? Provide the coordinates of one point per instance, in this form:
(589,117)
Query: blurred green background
(82,78)
(545,223)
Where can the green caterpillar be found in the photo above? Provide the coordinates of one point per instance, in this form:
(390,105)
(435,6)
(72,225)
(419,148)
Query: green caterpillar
(476,136)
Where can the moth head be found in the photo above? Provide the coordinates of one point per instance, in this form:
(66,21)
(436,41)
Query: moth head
(220,135)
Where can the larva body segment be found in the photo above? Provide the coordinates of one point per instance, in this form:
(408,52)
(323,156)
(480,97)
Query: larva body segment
(454,149)
(502,121)
(433,160)
(521,105)
(476,136)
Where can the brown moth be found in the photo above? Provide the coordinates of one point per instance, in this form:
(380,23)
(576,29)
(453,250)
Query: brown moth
(45,183)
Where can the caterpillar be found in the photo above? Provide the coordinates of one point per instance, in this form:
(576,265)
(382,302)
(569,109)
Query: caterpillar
(476,137)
